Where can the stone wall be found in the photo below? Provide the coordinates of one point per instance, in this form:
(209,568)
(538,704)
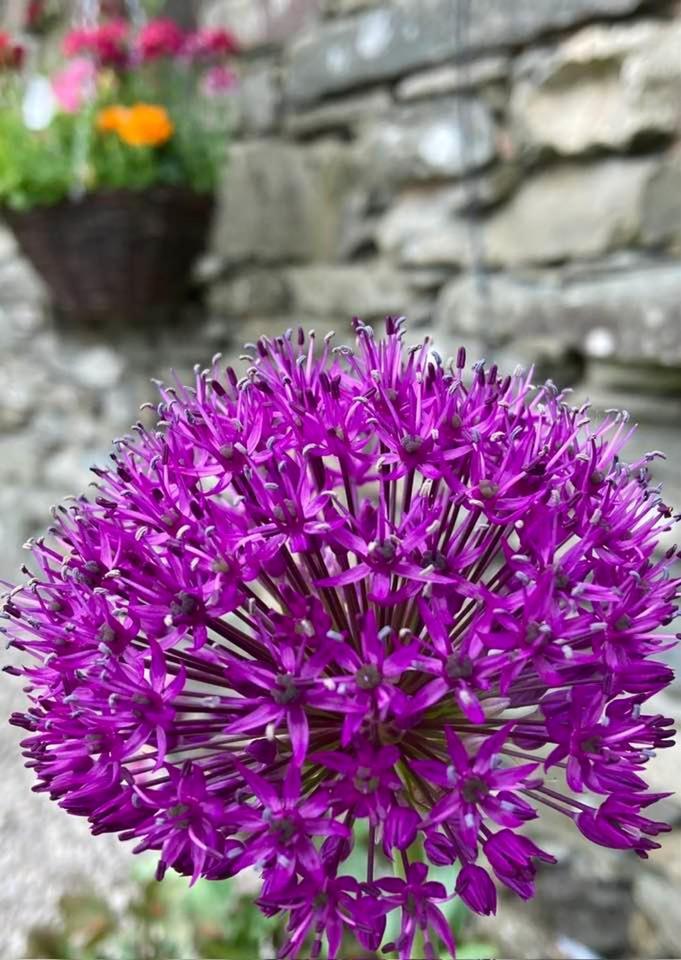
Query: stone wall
(349,192)
(371,131)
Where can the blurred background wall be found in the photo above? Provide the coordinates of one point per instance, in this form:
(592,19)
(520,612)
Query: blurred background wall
(506,174)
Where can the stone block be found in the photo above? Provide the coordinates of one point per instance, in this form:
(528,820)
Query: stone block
(426,225)
(258,100)
(390,40)
(661,205)
(280,202)
(427,141)
(370,290)
(604,87)
(423,229)
(342,115)
(249,293)
(452,78)
(259,25)
(631,314)
(570,211)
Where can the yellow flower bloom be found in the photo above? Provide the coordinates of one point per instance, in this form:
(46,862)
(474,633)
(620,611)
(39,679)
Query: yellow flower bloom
(142,125)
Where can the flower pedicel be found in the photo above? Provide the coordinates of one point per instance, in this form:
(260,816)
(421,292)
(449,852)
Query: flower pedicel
(353,587)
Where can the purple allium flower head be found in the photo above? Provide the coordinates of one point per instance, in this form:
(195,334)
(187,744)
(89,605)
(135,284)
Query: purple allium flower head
(353,588)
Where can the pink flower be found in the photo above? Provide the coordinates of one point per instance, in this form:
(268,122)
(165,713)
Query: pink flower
(160,38)
(218,80)
(209,43)
(71,85)
(107,44)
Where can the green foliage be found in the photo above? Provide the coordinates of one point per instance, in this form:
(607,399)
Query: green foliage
(72,155)
(34,167)
(213,919)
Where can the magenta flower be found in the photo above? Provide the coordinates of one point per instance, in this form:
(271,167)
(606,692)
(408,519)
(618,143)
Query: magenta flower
(107,44)
(219,80)
(12,54)
(210,43)
(354,589)
(159,38)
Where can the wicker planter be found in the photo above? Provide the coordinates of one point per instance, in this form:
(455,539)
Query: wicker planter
(116,257)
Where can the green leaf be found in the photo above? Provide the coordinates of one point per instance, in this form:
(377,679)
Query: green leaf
(475,951)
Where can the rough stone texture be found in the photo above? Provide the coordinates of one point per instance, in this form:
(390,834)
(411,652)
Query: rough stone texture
(280,202)
(423,228)
(18,281)
(257,24)
(344,115)
(428,142)
(452,79)
(603,87)
(661,207)
(339,7)
(599,920)
(569,211)
(667,860)
(652,894)
(370,292)
(258,100)
(391,40)
(251,292)
(637,311)
(426,225)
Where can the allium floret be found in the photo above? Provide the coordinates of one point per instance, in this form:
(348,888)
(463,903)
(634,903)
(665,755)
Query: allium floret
(355,590)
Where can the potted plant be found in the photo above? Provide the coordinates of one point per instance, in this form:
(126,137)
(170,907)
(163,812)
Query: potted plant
(108,166)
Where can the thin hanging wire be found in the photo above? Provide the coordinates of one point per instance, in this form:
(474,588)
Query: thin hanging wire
(86,16)
(86,13)
(473,205)
(136,13)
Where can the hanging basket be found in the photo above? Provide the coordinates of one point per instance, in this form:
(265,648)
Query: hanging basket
(116,257)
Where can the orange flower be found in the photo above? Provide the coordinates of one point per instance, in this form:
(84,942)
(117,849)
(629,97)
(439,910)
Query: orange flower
(109,119)
(143,125)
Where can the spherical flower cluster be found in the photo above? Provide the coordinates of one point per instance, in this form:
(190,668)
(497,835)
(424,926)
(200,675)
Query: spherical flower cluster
(142,125)
(107,44)
(355,590)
